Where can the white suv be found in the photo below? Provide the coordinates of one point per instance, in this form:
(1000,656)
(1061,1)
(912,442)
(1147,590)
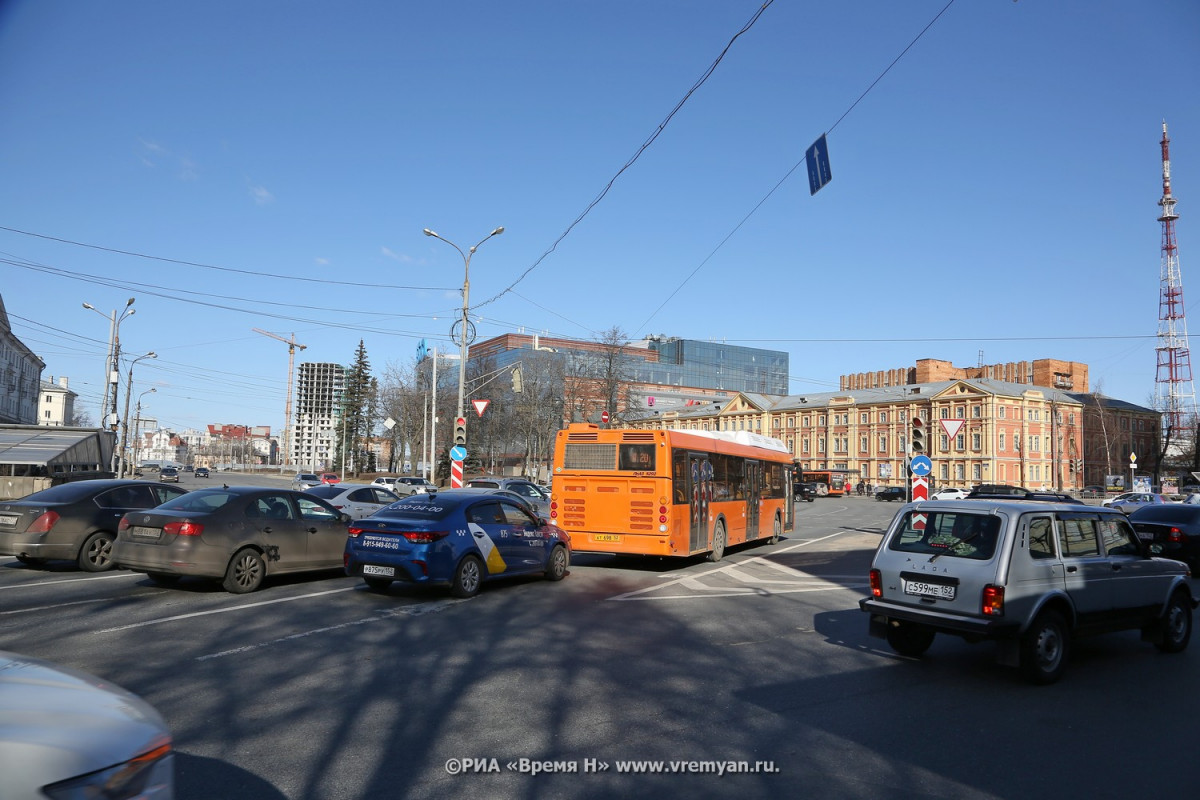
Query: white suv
(1028,575)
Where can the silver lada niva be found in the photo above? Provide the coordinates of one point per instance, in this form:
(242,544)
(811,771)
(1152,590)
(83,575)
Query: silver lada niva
(1029,575)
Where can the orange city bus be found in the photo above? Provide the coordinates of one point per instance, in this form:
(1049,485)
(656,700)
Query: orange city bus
(669,493)
(834,479)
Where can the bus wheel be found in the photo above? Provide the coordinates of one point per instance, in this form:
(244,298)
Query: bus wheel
(718,548)
(775,531)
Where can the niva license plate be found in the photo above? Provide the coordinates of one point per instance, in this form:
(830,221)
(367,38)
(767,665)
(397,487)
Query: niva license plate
(939,591)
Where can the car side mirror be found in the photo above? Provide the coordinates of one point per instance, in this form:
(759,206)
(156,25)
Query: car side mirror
(345,518)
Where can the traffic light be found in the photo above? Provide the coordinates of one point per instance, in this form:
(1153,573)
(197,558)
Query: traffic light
(916,440)
(460,430)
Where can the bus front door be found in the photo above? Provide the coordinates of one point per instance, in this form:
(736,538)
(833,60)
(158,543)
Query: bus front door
(699,492)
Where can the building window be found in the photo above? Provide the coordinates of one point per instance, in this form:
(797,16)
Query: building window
(804,445)
(1002,412)
(976,441)
(945,472)
(863,444)
(1000,441)
(943,442)
(945,413)
(959,473)
(882,443)
(863,418)
(883,417)
(1035,444)
(821,420)
(820,444)
(960,442)
(805,422)
(977,412)
(976,473)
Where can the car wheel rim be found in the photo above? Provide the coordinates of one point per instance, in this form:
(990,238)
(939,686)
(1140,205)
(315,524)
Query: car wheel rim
(247,571)
(101,552)
(1176,624)
(470,579)
(560,562)
(1049,648)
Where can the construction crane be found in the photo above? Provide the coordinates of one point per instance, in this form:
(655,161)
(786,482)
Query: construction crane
(287,414)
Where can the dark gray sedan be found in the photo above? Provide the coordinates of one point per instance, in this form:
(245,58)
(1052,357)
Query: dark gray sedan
(75,521)
(237,534)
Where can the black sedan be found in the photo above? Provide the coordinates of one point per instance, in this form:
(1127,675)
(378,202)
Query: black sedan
(75,521)
(891,493)
(1172,530)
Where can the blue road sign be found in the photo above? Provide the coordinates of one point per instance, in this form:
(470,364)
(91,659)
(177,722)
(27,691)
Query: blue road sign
(921,465)
(458,453)
(817,158)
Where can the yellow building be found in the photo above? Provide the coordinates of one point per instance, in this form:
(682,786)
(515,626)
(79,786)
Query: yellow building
(979,431)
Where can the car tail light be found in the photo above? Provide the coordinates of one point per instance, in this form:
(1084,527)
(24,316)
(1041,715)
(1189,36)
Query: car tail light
(1177,536)
(354,531)
(44,523)
(876,583)
(993,601)
(183,528)
(424,537)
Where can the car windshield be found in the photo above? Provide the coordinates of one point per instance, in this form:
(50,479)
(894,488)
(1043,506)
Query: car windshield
(205,500)
(947,533)
(419,506)
(307,477)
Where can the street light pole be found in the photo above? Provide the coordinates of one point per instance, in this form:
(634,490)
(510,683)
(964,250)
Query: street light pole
(462,343)
(137,426)
(108,405)
(125,418)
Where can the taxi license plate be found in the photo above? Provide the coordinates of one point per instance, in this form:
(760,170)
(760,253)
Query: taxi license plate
(144,533)
(371,569)
(606,537)
(8,519)
(940,591)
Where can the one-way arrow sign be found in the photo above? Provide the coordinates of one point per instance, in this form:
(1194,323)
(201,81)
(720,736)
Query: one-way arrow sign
(817,158)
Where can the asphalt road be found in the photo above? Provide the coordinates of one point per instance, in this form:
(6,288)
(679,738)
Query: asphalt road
(315,688)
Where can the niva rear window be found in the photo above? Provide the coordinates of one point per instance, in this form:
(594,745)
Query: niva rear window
(944,533)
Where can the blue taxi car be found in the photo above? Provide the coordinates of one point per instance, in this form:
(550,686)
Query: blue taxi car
(454,538)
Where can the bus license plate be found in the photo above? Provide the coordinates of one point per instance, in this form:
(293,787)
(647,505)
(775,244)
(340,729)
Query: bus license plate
(371,569)
(940,591)
(606,537)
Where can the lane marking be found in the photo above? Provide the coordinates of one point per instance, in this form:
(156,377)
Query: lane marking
(408,611)
(732,569)
(121,574)
(210,612)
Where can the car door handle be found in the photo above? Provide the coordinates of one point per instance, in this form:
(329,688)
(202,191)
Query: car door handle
(1116,567)
(266,529)
(313,530)
(1072,569)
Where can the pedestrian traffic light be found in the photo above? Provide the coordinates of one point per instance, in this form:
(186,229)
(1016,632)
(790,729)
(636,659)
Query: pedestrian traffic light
(916,441)
(460,430)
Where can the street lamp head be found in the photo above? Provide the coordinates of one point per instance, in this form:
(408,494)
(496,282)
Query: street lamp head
(498,231)
(89,305)
(129,303)
(431,233)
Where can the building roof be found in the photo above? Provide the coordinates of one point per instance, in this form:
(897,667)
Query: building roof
(37,445)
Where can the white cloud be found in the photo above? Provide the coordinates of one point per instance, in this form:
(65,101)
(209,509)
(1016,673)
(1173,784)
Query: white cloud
(261,196)
(388,253)
(323,262)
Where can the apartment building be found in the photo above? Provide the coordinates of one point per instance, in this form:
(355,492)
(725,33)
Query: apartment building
(56,403)
(319,390)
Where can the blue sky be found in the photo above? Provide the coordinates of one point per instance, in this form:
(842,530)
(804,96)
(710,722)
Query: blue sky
(993,196)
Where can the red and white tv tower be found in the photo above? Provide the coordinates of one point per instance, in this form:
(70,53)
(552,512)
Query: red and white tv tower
(1175,394)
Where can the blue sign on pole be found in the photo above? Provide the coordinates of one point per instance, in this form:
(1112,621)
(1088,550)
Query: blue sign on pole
(921,466)
(458,453)
(817,158)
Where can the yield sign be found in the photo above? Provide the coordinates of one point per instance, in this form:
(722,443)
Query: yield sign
(952,426)
(480,406)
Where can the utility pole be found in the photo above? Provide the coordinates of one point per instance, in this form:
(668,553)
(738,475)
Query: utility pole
(287,414)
